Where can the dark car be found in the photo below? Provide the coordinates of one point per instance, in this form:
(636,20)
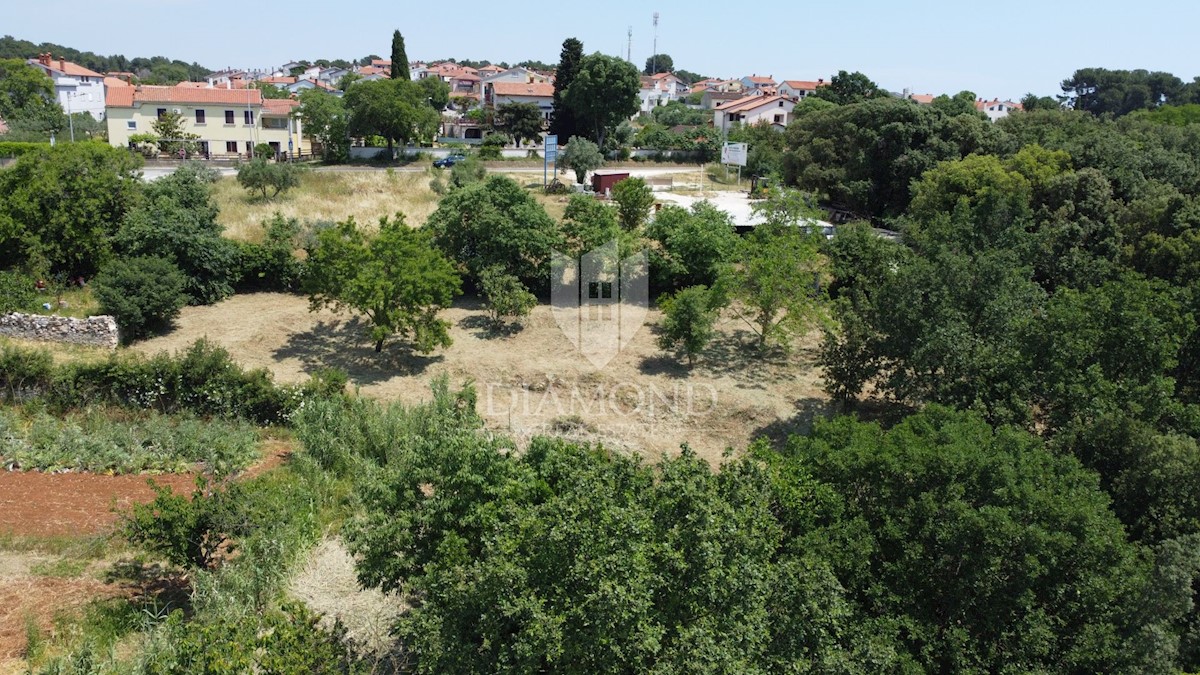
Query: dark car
(449,161)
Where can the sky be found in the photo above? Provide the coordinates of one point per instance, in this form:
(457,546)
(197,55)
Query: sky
(1001,49)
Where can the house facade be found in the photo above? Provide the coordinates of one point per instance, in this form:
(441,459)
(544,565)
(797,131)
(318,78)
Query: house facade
(799,89)
(660,89)
(996,109)
(541,94)
(76,88)
(758,82)
(229,122)
(775,110)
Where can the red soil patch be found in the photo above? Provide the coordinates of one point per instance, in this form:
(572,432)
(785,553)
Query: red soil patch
(42,598)
(73,504)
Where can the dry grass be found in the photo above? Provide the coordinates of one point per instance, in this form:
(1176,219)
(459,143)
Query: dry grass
(328,195)
(62,352)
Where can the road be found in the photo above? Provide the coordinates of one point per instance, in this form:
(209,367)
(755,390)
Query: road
(154,172)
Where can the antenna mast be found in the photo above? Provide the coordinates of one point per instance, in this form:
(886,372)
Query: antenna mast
(654,58)
(629,47)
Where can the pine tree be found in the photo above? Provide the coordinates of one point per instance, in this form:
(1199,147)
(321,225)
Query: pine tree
(562,120)
(399,58)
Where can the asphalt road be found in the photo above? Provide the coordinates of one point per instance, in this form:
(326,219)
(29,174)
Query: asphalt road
(152,172)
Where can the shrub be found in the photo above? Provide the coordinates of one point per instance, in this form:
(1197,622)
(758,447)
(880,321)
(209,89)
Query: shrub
(492,145)
(582,156)
(143,294)
(16,149)
(272,265)
(264,150)
(16,292)
(687,324)
(506,296)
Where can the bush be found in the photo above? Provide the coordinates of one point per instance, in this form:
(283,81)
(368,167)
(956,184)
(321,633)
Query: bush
(582,156)
(16,292)
(16,149)
(506,296)
(272,265)
(262,176)
(264,150)
(144,295)
(492,145)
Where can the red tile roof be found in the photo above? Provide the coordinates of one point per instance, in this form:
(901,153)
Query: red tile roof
(523,89)
(62,66)
(923,99)
(110,82)
(279,106)
(804,85)
(751,102)
(760,80)
(126,97)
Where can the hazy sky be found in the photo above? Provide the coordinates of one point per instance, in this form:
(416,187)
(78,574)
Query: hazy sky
(998,49)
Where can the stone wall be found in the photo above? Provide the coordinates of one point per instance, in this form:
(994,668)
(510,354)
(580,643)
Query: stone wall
(98,331)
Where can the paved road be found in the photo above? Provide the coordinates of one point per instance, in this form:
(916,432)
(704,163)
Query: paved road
(153,172)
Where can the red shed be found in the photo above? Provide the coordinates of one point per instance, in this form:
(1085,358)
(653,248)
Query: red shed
(603,181)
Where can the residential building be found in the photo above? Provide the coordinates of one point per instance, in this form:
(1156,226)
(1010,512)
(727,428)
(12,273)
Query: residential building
(541,94)
(996,109)
(518,74)
(711,98)
(229,122)
(660,89)
(76,88)
(758,82)
(799,89)
(754,109)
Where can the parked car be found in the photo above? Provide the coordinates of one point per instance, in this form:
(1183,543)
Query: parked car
(449,160)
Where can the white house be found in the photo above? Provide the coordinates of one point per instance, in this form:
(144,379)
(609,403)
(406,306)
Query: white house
(660,89)
(798,89)
(517,74)
(76,88)
(758,82)
(541,94)
(775,110)
(996,109)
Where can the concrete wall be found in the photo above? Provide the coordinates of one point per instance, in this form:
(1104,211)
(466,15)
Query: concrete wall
(97,331)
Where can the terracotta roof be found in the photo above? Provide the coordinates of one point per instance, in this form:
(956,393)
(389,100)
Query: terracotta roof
(64,67)
(750,103)
(760,80)
(279,106)
(381,62)
(126,97)
(491,69)
(278,80)
(110,82)
(923,99)
(981,104)
(369,70)
(804,85)
(465,75)
(523,89)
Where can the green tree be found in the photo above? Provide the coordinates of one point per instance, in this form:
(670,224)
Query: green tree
(24,90)
(1120,92)
(776,283)
(144,295)
(400,69)
(496,223)
(60,207)
(582,156)
(687,323)
(522,121)
(694,246)
(962,103)
(1031,102)
(603,94)
(845,88)
(172,136)
(436,92)
(326,122)
(397,110)
(659,63)
(271,91)
(506,297)
(562,119)
(395,278)
(634,199)
(587,224)
(263,176)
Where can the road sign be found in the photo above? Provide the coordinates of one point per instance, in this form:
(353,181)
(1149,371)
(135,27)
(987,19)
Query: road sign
(733,153)
(551,149)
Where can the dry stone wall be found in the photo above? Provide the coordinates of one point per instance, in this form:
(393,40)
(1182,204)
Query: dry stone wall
(98,331)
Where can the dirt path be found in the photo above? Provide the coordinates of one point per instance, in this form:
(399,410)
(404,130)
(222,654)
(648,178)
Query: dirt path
(534,381)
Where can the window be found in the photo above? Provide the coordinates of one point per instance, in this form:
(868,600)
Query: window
(249,147)
(230,146)
(248,116)
(228,117)
(131,125)
(781,104)
(199,117)
(779,119)
(161,112)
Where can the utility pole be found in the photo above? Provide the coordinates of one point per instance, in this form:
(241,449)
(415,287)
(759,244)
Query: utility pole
(629,45)
(654,56)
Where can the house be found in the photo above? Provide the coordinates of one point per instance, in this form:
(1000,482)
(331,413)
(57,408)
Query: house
(919,99)
(229,122)
(304,85)
(517,74)
(490,69)
(996,109)
(754,109)
(799,89)
(76,88)
(541,94)
(660,89)
(758,82)
(711,98)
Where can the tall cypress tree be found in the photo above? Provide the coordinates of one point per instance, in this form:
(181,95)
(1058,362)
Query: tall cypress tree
(562,120)
(399,58)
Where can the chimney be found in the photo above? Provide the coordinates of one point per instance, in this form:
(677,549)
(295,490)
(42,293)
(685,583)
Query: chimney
(62,63)
(820,80)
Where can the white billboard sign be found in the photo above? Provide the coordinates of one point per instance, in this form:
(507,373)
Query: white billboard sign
(733,153)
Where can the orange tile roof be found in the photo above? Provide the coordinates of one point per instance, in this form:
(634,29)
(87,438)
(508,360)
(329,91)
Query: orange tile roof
(750,103)
(110,82)
(64,67)
(923,99)
(278,80)
(126,97)
(760,80)
(523,89)
(805,85)
(279,106)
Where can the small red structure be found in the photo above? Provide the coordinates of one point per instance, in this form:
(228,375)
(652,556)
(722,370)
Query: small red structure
(603,181)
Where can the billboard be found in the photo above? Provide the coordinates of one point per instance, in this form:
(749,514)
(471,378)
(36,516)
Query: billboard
(733,153)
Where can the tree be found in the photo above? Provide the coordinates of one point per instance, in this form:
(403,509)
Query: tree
(60,207)
(603,94)
(271,91)
(634,199)
(143,294)
(962,103)
(506,296)
(775,281)
(659,63)
(326,122)
(396,278)
(1120,92)
(521,121)
(562,120)
(1031,102)
(587,224)
(436,92)
(695,246)
(173,140)
(262,175)
(398,110)
(845,88)
(582,156)
(688,319)
(400,69)
(24,90)
(496,223)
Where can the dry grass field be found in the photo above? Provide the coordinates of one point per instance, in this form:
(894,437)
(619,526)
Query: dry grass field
(534,381)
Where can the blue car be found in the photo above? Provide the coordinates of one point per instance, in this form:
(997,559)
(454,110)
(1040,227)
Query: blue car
(449,161)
